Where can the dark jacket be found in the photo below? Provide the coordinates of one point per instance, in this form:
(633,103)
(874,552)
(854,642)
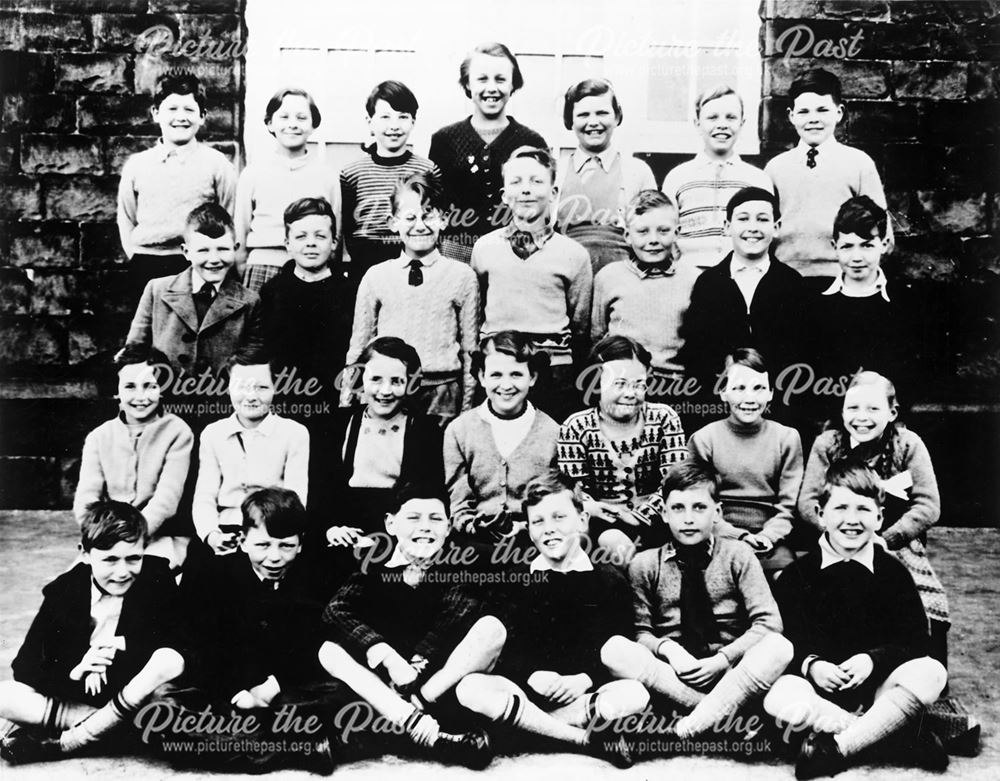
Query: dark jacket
(717,321)
(332,502)
(59,636)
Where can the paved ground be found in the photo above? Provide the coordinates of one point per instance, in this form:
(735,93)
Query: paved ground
(36,545)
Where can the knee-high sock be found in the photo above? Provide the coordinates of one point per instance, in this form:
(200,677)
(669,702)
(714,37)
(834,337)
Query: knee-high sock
(63,714)
(97,724)
(518,711)
(612,701)
(737,687)
(890,711)
(660,677)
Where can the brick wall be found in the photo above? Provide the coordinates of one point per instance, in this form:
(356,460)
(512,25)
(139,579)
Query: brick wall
(922,93)
(75,103)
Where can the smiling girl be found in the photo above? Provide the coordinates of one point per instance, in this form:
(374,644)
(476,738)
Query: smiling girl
(269,185)
(493,451)
(470,152)
(870,434)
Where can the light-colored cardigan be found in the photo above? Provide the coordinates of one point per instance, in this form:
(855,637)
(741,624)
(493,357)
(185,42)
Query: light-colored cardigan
(148,472)
(479,480)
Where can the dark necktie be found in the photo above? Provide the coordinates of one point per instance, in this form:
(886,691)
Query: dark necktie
(811,157)
(523,244)
(203,300)
(416,275)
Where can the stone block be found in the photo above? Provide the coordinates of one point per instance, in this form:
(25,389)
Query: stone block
(194,6)
(957,11)
(25,72)
(995,215)
(82,198)
(970,168)
(30,483)
(928,258)
(934,80)
(61,154)
(54,31)
(22,197)
(118,149)
(122,32)
(58,292)
(776,130)
(826,9)
(913,166)
(44,245)
(900,211)
(116,115)
(100,245)
(103,6)
(90,73)
(11,31)
(15,294)
(948,212)
(984,80)
(39,112)
(980,257)
(8,154)
(973,123)
(116,297)
(880,121)
(922,41)
(216,77)
(867,79)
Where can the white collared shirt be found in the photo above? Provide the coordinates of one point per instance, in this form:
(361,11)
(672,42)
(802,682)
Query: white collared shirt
(105,610)
(580,562)
(198,282)
(748,275)
(879,287)
(865,556)
(604,159)
(427,261)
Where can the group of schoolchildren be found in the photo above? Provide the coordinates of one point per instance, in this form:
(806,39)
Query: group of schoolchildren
(452,535)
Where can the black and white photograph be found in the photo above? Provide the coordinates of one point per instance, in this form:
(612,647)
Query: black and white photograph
(531,389)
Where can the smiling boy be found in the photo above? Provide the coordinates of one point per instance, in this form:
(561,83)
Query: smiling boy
(162,184)
(706,623)
(101,643)
(403,633)
(817,176)
(749,299)
(702,187)
(860,636)
(203,316)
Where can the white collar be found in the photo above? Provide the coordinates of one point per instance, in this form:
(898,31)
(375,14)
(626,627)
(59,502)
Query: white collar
(579,563)
(865,556)
(487,414)
(198,282)
(404,260)
(703,158)
(803,148)
(165,152)
(265,428)
(669,548)
(739,264)
(606,158)
(880,286)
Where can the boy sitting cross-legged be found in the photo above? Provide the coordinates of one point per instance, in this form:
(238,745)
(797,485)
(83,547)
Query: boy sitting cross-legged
(405,629)
(256,618)
(551,680)
(706,623)
(860,636)
(99,645)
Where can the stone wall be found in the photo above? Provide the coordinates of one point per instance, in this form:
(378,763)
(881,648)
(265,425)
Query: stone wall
(76,95)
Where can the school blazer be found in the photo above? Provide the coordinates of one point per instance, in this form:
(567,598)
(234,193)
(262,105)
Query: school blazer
(60,633)
(166,319)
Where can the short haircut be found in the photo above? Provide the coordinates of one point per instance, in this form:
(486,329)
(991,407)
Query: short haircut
(713,93)
(396,94)
(541,156)
(556,483)
(619,348)
(589,88)
(690,473)
(856,478)
(646,201)
(753,194)
(746,356)
(211,219)
(816,80)
(306,207)
(179,82)
(515,344)
(255,358)
(137,352)
(874,378)
(423,489)
(279,97)
(278,511)
(861,216)
(424,186)
(107,522)
(392,347)
(492,50)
